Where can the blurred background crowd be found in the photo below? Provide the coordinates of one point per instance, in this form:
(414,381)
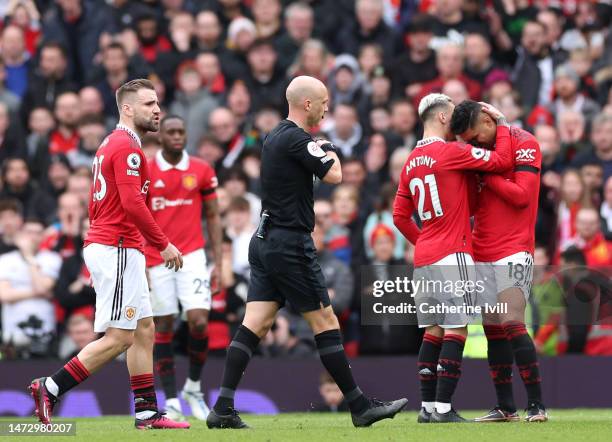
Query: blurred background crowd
(223,66)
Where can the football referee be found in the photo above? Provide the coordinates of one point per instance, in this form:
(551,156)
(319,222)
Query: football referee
(283,258)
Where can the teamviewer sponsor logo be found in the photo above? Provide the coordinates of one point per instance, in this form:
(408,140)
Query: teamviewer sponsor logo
(160,203)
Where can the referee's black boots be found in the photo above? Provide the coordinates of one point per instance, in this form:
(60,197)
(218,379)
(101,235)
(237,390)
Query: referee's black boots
(230,420)
(378,410)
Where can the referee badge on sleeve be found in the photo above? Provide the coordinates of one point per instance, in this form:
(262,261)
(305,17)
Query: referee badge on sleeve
(315,150)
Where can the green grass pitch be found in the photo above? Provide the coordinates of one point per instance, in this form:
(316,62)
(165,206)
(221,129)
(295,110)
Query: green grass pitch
(564,425)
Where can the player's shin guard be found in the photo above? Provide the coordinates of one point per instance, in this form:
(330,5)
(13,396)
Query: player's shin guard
(67,377)
(526,359)
(501,357)
(426,365)
(239,354)
(145,400)
(164,362)
(449,368)
(197,347)
(331,352)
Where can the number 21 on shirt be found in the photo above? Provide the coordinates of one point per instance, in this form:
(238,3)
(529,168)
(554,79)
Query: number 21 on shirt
(98,178)
(430,183)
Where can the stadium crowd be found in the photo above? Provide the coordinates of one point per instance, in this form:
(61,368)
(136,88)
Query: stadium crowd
(223,66)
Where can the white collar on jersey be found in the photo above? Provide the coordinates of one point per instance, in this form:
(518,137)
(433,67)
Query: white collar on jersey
(429,140)
(130,132)
(164,166)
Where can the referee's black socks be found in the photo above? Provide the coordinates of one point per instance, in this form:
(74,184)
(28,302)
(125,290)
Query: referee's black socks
(331,352)
(239,354)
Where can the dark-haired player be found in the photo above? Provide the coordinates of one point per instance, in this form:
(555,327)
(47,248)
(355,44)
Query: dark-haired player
(114,255)
(181,185)
(435,181)
(504,241)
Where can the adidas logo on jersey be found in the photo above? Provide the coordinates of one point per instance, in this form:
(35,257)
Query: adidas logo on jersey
(159,184)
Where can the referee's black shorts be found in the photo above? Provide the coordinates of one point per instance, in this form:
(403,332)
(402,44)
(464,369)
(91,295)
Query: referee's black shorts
(284,267)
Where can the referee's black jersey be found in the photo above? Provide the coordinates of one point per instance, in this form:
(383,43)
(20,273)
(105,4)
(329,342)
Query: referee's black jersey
(289,159)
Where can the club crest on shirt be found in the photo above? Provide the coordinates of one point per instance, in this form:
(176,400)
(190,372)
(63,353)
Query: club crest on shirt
(130,312)
(133,161)
(189,182)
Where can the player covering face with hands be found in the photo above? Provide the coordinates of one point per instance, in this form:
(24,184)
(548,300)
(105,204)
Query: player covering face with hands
(114,246)
(504,243)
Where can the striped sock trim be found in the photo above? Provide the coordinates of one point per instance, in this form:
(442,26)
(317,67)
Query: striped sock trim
(77,370)
(141,381)
(432,339)
(331,349)
(227,393)
(352,395)
(241,346)
(164,337)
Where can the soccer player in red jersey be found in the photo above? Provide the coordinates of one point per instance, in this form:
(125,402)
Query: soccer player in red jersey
(504,242)
(180,186)
(435,181)
(114,255)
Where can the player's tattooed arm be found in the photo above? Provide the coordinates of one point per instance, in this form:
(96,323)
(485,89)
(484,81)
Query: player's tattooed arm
(215,234)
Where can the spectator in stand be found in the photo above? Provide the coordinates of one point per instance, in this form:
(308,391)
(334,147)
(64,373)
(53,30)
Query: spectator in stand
(553,23)
(590,239)
(211,151)
(533,71)
(345,203)
(601,152)
(592,177)
(369,27)
(403,122)
(10,99)
(417,64)
(379,119)
(12,142)
(73,290)
(346,132)
(456,90)
(48,80)
(267,16)
(80,184)
(40,125)
(11,220)
(312,60)
(92,132)
(382,338)
(236,182)
(512,107)
(27,277)
(569,97)
(57,174)
(224,128)
(37,203)
(192,103)
(266,80)
(346,82)
(572,131)
(450,15)
(23,13)
(15,59)
(65,137)
(64,237)
(449,62)
(93,104)
(114,72)
(77,26)
(241,35)
(383,215)
(478,62)
(573,198)
(79,333)
(370,60)
(299,24)
(152,41)
(240,228)
(209,68)
(239,102)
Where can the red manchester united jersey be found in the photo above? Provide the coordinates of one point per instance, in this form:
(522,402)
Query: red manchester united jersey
(504,222)
(434,181)
(118,211)
(175,199)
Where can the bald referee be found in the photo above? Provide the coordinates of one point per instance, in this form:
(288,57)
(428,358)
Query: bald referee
(283,258)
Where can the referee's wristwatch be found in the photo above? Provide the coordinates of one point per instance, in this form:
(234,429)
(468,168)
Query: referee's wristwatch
(327,147)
